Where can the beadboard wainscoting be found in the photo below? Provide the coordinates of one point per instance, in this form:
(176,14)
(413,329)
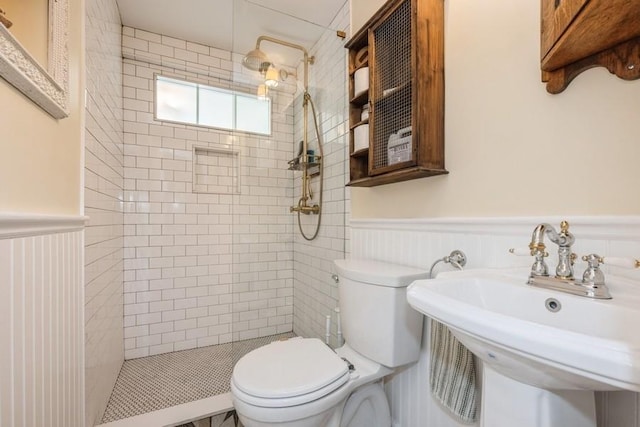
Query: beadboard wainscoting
(419,242)
(41,318)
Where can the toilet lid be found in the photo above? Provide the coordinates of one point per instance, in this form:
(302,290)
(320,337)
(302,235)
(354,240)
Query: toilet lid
(291,368)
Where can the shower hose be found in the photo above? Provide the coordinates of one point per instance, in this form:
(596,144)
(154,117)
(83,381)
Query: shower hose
(307,98)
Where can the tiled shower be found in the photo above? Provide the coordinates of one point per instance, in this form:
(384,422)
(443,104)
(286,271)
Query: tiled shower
(200,268)
(169,266)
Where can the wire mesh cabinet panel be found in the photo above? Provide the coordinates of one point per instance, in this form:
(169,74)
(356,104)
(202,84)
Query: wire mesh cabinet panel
(405,42)
(391,92)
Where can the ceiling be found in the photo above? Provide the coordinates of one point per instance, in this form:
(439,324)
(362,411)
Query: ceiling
(235,25)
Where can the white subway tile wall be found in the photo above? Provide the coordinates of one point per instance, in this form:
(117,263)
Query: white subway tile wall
(201,269)
(486,242)
(315,293)
(216,171)
(103,196)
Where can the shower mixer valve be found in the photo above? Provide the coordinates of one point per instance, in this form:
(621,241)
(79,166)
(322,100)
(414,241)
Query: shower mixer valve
(304,208)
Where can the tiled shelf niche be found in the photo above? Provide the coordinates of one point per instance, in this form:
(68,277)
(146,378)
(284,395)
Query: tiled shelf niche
(216,170)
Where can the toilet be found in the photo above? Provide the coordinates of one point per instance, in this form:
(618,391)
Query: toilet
(302,382)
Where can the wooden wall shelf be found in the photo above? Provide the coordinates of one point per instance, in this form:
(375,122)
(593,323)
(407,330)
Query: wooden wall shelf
(581,34)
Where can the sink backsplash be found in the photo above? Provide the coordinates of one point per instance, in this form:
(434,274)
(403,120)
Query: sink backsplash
(485,241)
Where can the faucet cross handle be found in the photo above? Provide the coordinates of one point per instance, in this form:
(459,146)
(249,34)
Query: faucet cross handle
(539,267)
(593,275)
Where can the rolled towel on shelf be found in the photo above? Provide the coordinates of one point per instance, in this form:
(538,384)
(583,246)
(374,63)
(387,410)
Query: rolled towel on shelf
(452,374)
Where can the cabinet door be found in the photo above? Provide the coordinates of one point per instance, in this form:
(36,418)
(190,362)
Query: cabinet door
(391,91)
(556,17)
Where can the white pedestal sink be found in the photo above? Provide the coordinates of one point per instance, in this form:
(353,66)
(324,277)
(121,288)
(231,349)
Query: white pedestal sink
(506,402)
(544,352)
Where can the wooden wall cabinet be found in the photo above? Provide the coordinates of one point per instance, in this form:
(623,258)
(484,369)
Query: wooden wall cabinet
(580,34)
(403,47)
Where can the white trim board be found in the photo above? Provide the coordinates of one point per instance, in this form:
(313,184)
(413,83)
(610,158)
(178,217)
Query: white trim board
(179,414)
(13,225)
(595,227)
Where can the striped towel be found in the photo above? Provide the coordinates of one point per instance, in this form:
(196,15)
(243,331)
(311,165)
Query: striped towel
(453,373)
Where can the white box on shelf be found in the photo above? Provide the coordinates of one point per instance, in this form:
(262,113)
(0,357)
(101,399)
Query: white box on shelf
(399,146)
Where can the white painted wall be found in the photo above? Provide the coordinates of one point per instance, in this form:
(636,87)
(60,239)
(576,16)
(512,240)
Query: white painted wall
(41,313)
(512,148)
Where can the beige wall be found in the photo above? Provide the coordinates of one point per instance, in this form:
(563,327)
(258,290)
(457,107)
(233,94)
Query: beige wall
(40,161)
(512,148)
(361,11)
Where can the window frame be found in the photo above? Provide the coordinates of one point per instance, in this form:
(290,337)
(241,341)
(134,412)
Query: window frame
(233,92)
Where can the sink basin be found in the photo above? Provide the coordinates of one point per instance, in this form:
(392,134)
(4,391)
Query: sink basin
(543,338)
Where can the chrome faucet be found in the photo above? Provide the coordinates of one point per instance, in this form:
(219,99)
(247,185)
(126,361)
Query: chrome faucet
(591,285)
(564,240)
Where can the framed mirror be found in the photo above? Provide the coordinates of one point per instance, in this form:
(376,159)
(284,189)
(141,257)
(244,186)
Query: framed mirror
(48,87)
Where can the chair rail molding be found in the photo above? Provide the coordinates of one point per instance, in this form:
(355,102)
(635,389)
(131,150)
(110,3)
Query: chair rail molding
(591,227)
(14,225)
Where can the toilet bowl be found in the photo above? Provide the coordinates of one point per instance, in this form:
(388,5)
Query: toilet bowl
(302,382)
(307,385)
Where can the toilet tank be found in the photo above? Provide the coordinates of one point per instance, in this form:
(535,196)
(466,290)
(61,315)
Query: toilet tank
(377,320)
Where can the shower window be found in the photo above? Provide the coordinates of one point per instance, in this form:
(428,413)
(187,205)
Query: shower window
(185,102)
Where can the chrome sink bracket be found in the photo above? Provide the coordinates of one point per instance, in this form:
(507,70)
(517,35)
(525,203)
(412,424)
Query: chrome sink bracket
(457,258)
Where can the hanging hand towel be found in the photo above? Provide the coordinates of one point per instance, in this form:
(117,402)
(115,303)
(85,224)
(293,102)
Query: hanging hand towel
(453,373)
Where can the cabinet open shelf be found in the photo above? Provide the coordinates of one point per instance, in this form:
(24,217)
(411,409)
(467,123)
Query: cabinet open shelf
(361,98)
(361,122)
(360,153)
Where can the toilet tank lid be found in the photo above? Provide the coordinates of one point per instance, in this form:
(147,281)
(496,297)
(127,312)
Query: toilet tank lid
(379,272)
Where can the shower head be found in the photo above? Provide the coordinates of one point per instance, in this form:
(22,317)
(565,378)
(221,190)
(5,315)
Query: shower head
(256,60)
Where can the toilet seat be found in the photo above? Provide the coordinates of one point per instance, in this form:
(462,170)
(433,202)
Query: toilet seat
(301,370)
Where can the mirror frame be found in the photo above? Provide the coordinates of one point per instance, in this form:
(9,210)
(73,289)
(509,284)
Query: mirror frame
(46,87)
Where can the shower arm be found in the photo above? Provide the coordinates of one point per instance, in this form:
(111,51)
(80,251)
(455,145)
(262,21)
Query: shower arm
(307,59)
